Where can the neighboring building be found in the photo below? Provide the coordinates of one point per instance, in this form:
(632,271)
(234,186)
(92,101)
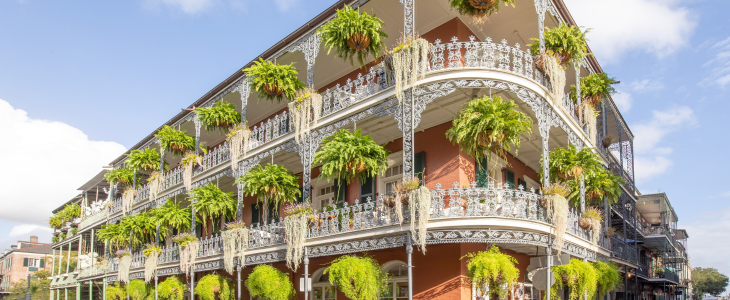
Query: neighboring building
(469,212)
(24,258)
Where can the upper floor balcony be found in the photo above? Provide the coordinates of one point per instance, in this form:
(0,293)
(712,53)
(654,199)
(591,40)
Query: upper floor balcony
(660,224)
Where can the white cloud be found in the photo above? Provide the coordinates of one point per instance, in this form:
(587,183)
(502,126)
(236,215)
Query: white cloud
(646,85)
(24,229)
(719,65)
(709,236)
(623,100)
(44,162)
(657,27)
(284,5)
(650,158)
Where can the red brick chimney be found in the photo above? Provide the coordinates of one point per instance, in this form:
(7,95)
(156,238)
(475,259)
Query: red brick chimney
(33,239)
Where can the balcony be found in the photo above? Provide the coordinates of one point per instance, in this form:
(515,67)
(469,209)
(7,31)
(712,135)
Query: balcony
(624,251)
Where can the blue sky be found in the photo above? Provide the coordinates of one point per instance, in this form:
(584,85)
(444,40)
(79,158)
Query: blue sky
(97,76)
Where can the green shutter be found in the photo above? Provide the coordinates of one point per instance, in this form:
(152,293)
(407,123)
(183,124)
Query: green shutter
(509,178)
(367,189)
(25,262)
(341,187)
(255,213)
(521,183)
(43,264)
(482,173)
(300,198)
(198,230)
(419,165)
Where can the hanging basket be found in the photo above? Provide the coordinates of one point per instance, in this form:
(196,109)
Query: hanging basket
(564,57)
(572,173)
(607,141)
(592,100)
(610,232)
(273,90)
(389,201)
(223,124)
(482,4)
(594,195)
(357,169)
(74,225)
(540,63)
(585,223)
(483,139)
(180,148)
(358,41)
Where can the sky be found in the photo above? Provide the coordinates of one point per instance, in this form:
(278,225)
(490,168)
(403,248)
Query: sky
(82,81)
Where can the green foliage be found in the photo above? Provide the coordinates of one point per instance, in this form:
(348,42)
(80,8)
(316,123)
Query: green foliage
(494,268)
(56,221)
(204,288)
(565,159)
(143,160)
(115,234)
(171,216)
(120,175)
(71,212)
(74,231)
(55,239)
(141,226)
(171,289)
(267,282)
(471,128)
(210,202)
(708,281)
(138,289)
(564,40)
(582,278)
(115,292)
(598,181)
(608,277)
(465,8)
(39,289)
(42,274)
(346,155)
(348,22)
(598,83)
(359,278)
(272,183)
(176,141)
(264,72)
(221,116)
(183,239)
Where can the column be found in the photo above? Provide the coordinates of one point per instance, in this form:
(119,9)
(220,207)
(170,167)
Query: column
(103,289)
(197,122)
(239,208)
(549,253)
(409,252)
(238,281)
(91,253)
(53,263)
(65,290)
(156,279)
(68,261)
(541,7)
(78,255)
(78,291)
(91,290)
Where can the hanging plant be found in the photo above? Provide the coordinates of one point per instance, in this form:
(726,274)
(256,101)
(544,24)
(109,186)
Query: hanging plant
(156,184)
(171,289)
(568,163)
(409,63)
(143,160)
(120,175)
(346,155)
(494,269)
(591,220)
(489,125)
(125,262)
(608,277)
(353,32)
(587,118)
(56,221)
(557,208)
(210,202)
(151,253)
(296,228)
(238,139)
(171,216)
(565,42)
(359,278)
(267,282)
(188,250)
(71,212)
(214,287)
(273,81)
(141,226)
(304,111)
(273,185)
(579,277)
(599,183)
(235,243)
(401,196)
(479,10)
(593,88)
(128,199)
(420,205)
(221,116)
(176,141)
(138,290)
(188,162)
(115,292)
(114,234)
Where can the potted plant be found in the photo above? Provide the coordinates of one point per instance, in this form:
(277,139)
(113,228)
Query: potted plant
(56,221)
(608,277)
(296,228)
(188,250)
(215,287)
(599,183)
(304,110)
(115,292)
(610,231)
(568,163)
(212,203)
(608,141)
(494,269)
(273,81)
(141,226)
(176,141)
(563,44)
(235,243)
(266,282)
(353,32)
(146,160)
(591,220)
(238,138)
(557,207)
(138,290)
(188,162)
(579,277)
(151,253)
(113,234)
(171,216)
(408,63)
(346,155)
(121,175)
(273,185)
(125,261)
(359,278)
(593,88)
(489,125)
(221,116)
(400,197)
(479,10)
(171,289)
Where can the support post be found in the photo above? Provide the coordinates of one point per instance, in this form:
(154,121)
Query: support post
(156,278)
(103,291)
(91,290)
(239,207)
(409,252)
(197,122)
(53,264)
(68,261)
(78,290)
(91,253)
(306,274)
(162,159)
(541,7)
(549,252)
(582,193)
(65,290)
(238,280)
(192,281)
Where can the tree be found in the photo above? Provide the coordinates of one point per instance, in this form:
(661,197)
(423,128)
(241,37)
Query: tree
(708,281)
(39,289)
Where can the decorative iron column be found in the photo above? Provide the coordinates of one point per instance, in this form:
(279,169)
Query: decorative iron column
(409,13)
(549,253)
(238,280)
(244,89)
(306,274)
(197,122)
(541,7)
(407,105)
(409,252)
(156,285)
(239,207)
(306,154)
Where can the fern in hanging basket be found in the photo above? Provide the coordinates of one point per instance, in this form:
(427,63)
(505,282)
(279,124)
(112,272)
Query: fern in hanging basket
(493,268)
(568,163)
(273,185)
(608,277)
(359,278)
(142,227)
(599,183)
(267,282)
(55,221)
(210,202)
(143,160)
(114,234)
(487,125)
(346,155)
(565,42)
(171,216)
(478,8)
(593,88)
(171,289)
(354,33)
(273,81)
(122,176)
(579,276)
(221,116)
(214,287)
(70,212)
(176,141)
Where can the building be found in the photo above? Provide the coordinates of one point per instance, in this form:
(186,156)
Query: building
(468,214)
(24,258)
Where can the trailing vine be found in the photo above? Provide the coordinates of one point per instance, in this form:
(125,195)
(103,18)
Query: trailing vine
(267,282)
(493,268)
(354,32)
(238,139)
(273,81)
(608,277)
(128,199)
(591,220)
(156,184)
(557,208)
(125,262)
(295,227)
(579,276)
(420,205)
(151,253)
(215,287)
(305,107)
(235,243)
(359,278)
(188,162)
(188,250)
(346,155)
(409,63)
(273,185)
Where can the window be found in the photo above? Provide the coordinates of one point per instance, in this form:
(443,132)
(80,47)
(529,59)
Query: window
(393,174)
(321,288)
(31,262)
(490,173)
(397,282)
(325,196)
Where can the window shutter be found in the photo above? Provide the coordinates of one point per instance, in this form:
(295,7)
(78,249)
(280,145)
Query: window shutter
(255,213)
(43,264)
(341,187)
(300,198)
(198,230)
(482,173)
(521,183)
(25,262)
(419,166)
(509,178)
(367,189)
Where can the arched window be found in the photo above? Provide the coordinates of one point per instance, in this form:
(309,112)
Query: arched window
(322,289)
(397,282)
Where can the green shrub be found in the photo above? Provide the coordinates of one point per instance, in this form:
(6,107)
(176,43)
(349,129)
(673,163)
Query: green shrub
(492,268)
(114,292)
(337,32)
(265,73)
(138,289)
(359,278)
(205,288)
(267,282)
(221,116)
(171,289)
(608,277)
(581,277)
